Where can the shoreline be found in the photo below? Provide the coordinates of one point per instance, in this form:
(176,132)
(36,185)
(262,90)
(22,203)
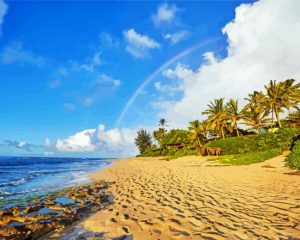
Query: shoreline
(184,198)
(191,198)
(44,216)
(17,198)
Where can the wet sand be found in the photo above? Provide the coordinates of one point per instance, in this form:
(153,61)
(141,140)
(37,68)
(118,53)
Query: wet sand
(192,198)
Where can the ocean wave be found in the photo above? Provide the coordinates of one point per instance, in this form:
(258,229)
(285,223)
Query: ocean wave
(48,171)
(55,171)
(6,194)
(17,181)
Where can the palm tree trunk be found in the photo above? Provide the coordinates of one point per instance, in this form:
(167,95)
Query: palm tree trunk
(272,118)
(256,129)
(222,132)
(236,129)
(199,142)
(278,119)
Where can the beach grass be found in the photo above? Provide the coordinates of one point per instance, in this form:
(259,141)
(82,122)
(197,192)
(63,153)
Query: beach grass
(293,160)
(247,158)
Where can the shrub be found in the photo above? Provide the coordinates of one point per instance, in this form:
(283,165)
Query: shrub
(175,153)
(181,153)
(281,140)
(248,158)
(293,160)
(175,136)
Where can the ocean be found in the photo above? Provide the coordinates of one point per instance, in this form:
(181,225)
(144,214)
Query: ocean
(25,177)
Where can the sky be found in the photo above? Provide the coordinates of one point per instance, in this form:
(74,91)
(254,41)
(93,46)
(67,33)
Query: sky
(80,78)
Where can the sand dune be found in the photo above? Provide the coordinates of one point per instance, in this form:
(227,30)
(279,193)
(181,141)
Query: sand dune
(191,198)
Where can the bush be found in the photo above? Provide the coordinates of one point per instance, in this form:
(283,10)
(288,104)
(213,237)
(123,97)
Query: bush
(248,158)
(175,136)
(181,153)
(281,140)
(175,153)
(293,160)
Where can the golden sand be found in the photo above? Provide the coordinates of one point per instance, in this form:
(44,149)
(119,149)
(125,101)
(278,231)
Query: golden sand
(191,198)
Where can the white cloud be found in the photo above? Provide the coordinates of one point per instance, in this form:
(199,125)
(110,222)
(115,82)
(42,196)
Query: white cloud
(88,101)
(165,14)
(63,72)
(177,37)
(20,145)
(103,78)
(3,12)
(118,141)
(177,76)
(48,143)
(138,45)
(69,106)
(181,72)
(15,52)
(48,153)
(92,63)
(263,44)
(55,84)
(116,82)
(169,89)
(80,142)
(108,40)
(209,57)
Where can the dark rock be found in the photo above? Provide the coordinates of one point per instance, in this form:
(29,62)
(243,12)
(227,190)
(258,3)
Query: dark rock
(125,229)
(124,237)
(55,213)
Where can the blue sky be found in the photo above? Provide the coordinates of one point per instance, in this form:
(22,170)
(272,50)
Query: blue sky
(67,67)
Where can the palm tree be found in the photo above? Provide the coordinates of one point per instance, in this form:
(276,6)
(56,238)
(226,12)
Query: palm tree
(162,122)
(255,112)
(255,99)
(291,95)
(197,131)
(294,118)
(216,116)
(255,117)
(159,134)
(275,99)
(233,114)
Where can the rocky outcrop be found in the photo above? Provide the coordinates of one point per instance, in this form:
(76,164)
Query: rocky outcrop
(43,215)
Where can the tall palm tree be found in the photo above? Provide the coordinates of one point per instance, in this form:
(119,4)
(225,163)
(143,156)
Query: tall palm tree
(216,116)
(255,116)
(256,99)
(275,99)
(159,134)
(294,118)
(255,112)
(162,122)
(291,94)
(197,132)
(233,114)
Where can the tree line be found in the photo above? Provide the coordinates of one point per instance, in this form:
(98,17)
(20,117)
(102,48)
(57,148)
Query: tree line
(262,111)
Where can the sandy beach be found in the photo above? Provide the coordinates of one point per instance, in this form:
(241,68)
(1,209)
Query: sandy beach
(192,198)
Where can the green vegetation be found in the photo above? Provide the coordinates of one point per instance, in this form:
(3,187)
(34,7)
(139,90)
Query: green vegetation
(248,158)
(293,160)
(266,135)
(281,140)
(143,140)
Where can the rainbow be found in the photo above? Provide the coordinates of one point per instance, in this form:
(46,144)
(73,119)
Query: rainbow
(157,71)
